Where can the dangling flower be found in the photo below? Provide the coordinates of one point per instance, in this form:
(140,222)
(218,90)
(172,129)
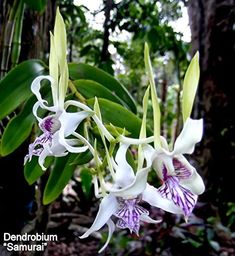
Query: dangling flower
(181,182)
(123,199)
(55,127)
(59,124)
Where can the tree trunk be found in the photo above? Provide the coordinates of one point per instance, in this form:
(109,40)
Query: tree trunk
(105,58)
(212,30)
(105,53)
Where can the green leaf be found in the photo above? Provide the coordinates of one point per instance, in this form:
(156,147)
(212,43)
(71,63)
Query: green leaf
(86,181)
(59,177)
(38,5)
(33,171)
(15,86)
(190,86)
(18,129)
(119,116)
(90,89)
(85,71)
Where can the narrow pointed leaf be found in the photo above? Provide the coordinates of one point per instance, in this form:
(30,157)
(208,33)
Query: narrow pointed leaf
(85,71)
(190,86)
(15,86)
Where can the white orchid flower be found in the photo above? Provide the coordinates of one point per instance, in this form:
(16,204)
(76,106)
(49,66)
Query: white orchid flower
(56,126)
(59,124)
(181,182)
(123,198)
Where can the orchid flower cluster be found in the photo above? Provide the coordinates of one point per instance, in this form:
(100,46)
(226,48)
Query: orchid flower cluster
(120,187)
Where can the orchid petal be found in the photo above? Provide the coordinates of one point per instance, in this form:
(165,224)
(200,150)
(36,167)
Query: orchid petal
(53,71)
(77,104)
(124,172)
(146,218)
(98,120)
(72,149)
(111,227)
(132,141)
(148,154)
(164,144)
(70,121)
(95,117)
(42,157)
(96,187)
(190,86)
(135,188)
(162,164)
(85,141)
(35,110)
(195,183)
(152,196)
(60,44)
(35,88)
(108,207)
(143,129)
(145,110)
(102,128)
(155,103)
(55,148)
(189,136)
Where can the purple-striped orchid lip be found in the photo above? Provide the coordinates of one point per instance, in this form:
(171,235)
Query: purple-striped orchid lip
(129,214)
(49,125)
(181,170)
(36,148)
(182,197)
(173,190)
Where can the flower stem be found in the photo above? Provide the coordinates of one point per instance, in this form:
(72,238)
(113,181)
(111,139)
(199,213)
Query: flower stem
(75,92)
